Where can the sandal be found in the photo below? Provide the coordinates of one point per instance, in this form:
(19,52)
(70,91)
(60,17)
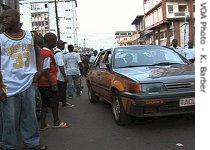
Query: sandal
(45,128)
(61,125)
(68,105)
(42,147)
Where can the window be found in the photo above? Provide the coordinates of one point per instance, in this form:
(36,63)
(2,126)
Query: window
(67,10)
(68,27)
(100,59)
(69,37)
(107,58)
(45,5)
(162,35)
(170,9)
(68,18)
(182,8)
(170,33)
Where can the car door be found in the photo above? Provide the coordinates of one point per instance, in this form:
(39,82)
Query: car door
(94,74)
(105,76)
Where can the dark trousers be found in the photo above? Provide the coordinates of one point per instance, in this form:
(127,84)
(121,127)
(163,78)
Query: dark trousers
(62,91)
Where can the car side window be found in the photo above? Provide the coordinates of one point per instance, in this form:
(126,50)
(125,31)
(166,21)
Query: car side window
(100,59)
(107,57)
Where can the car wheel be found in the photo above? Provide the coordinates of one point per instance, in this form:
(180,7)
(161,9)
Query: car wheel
(91,96)
(120,116)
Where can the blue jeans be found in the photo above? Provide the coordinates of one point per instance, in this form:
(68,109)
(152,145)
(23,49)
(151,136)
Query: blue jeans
(73,79)
(19,111)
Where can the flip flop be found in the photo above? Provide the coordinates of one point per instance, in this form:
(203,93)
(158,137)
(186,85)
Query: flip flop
(61,125)
(45,128)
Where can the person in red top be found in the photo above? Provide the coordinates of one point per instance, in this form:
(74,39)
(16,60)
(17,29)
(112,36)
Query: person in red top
(47,83)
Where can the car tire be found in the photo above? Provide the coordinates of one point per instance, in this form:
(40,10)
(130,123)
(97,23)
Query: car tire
(120,116)
(93,98)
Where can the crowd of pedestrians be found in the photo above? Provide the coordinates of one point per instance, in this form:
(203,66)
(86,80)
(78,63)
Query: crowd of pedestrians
(187,52)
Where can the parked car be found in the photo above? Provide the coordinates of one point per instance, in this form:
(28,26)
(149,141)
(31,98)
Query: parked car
(142,81)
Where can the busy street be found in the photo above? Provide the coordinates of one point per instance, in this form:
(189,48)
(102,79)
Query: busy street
(92,127)
(98,75)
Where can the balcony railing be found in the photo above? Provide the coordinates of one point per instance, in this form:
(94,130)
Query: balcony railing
(178,15)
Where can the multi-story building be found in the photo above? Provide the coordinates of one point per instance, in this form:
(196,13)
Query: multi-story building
(137,37)
(123,38)
(170,19)
(40,16)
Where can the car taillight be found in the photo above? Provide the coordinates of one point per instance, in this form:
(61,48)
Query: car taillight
(134,88)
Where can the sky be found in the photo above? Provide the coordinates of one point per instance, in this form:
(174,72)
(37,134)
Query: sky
(98,20)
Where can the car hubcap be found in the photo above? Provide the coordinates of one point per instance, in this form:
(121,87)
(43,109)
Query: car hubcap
(116,109)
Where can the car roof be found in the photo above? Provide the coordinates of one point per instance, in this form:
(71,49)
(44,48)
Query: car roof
(136,46)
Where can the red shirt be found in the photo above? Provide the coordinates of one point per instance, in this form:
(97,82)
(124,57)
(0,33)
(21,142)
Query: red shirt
(43,81)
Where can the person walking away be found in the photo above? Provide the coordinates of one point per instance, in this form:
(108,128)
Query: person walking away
(47,83)
(73,63)
(61,75)
(178,49)
(20,67)
(190,52)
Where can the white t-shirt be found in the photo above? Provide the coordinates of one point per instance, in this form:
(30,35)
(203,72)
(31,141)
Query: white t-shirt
(59,59)
(71,61)
(65,51)
(190,53)
(18,62)
(92,59)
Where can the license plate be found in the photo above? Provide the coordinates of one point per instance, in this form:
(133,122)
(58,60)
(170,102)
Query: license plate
(187,102)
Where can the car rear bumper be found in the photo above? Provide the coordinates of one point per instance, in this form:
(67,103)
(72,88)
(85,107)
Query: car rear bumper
(157,104)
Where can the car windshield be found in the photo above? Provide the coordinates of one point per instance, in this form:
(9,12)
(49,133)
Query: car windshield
(145,56)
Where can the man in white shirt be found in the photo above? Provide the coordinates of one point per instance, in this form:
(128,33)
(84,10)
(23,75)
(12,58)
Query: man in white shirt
(61,75)
(190,52)
(73,64)
(177,48)
(20,67)
(93,57)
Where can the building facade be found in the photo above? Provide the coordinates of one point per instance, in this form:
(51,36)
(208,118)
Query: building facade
(137,37)
(169,19)
(123,38)
(41,17)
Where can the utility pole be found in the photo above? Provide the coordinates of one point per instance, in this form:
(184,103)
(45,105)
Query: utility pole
(84,44)
(57,20)
(185,26)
